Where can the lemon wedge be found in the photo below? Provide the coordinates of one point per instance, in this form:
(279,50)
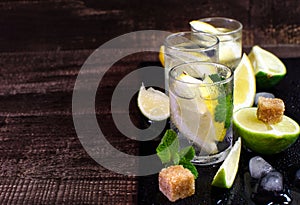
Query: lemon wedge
(190,114)
(153,104)
(244,84)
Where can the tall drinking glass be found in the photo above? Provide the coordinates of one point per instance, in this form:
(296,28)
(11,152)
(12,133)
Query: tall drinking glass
(189,46)
(201,109)
(230,37)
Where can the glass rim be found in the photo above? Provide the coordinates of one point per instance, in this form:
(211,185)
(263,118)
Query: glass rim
(228,79)
(182,33)
(208,19)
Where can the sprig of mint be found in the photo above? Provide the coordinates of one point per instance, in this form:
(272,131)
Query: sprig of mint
(223,111)
(169,153)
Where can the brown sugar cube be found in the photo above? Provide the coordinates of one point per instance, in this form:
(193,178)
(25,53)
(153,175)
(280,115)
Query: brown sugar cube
(270,110)
(176,182)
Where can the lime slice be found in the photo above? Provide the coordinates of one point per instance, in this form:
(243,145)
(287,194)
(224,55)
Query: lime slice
(204,27)
(244,84)
(264,138)
(153,104)
(225,175)
(161,55)
(268,68)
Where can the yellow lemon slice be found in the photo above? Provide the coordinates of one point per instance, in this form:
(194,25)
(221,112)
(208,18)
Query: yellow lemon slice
(244,84)
(153,104)
(161,55)
(204,27)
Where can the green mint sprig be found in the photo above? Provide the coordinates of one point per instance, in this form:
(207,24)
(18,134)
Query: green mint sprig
(223,110)
(169,153)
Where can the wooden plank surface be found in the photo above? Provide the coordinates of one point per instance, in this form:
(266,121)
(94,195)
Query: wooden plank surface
(86,24)
(43,45)
(42,160)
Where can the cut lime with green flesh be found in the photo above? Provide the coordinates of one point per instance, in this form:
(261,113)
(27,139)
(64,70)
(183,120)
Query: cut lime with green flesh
(268,68)
(264,138)
(225,175)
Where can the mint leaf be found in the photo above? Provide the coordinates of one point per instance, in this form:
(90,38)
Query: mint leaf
(169,137)
(163,153)
(223,111)
(229,107)
(169,153)
(220,110)
(215,77)
(188,153)
(187,164)
(168,147)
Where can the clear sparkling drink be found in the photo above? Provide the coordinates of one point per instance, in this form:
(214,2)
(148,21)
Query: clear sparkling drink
(201,108)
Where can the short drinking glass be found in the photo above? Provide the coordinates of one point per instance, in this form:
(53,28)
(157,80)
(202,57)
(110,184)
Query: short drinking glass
(230,37)
(201,109)
(189,46)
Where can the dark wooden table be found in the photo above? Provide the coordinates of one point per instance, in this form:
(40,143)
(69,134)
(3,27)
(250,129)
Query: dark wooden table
(43,45)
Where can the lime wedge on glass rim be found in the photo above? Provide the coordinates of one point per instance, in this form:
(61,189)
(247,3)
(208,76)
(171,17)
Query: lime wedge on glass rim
(225,175)
(268,68)
(261,137)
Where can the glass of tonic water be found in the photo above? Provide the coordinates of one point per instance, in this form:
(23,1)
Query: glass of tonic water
(201,109)
(189,46)
(229,33)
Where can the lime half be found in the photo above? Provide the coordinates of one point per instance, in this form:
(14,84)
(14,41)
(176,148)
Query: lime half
(153,104)
(264,138)
(268,68)
(225,175)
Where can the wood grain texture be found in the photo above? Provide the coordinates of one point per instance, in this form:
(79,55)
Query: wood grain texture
(41,158)
(43,45)
(86,24)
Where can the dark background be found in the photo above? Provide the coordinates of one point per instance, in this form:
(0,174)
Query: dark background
(43,45)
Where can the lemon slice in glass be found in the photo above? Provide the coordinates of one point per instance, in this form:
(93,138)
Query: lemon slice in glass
(190,114)
(244,84)
(161,55)
(154,104)
(225,175)
(261,137)
(204,27)
(268,68)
